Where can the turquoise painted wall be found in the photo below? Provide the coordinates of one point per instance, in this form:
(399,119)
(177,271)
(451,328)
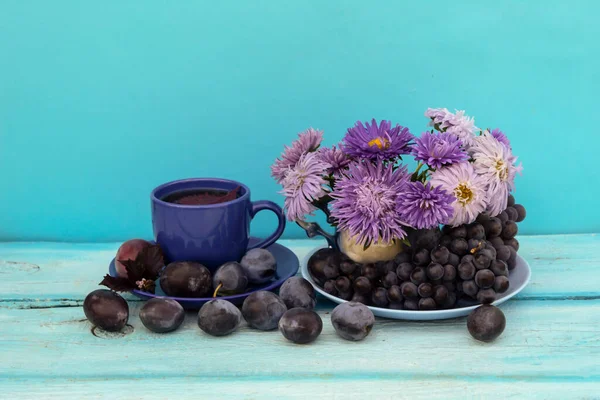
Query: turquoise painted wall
(102,101)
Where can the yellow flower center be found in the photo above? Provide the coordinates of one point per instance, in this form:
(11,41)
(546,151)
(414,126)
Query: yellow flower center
(463,193)
(381,143)
(501,169)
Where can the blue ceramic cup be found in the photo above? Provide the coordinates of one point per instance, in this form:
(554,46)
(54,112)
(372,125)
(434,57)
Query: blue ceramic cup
(210,234)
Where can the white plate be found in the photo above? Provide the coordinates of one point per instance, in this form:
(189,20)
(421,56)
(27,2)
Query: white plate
(518,278)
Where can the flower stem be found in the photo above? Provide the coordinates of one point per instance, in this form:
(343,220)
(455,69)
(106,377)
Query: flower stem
(415,174)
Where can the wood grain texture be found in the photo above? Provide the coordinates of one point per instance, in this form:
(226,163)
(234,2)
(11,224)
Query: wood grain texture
(550,348)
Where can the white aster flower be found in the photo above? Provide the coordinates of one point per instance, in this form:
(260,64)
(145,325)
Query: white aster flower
(468,189)
(458,123)
(494,162)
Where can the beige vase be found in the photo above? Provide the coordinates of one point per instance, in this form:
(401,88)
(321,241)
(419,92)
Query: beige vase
(374,253)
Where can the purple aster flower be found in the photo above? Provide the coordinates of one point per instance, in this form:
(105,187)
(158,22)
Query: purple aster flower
(501,137)
(436,149)
(375,142)
(307,141)
(458,123)
(495,163)
(304,184)
(423,206)
(338,160)
(366,202)
(468,189)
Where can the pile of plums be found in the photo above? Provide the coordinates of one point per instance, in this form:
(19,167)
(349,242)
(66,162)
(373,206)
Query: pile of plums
(291,311)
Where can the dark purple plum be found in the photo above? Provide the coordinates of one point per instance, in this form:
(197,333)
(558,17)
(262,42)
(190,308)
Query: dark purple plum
(186,279)
(459,246)
(300,325)
(386,266)
(445,241)
(352,321)
(347,267)
(162,315)
(329,287)
(390,279)
(466,271)
(440,255)
(440,294)
(343,284)
(459,232)
(324,265)
(475,231)
(501,284)
(427,304)
(418,276)
(486,296)
(411,304)
(425,290)
(361,298)
(402,257)
(484,278)
(422,257)
(106,309)
(514,243)
(219,317)
(394,294)
(512,213)
(521,212)
(362,285)
(493,227)
(499,268)
(497,242)
(511,200)
(449,273)
(259,265)
(409,290)
(503,216)
(229,279)
(486,323)
(262,310)
(435,271)
(470,288)
(453,259)
(370,271)
(404,270)
(379,297)
(298,292)
(512,260)
(510,230)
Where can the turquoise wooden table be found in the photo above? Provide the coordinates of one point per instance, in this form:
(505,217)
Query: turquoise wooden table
(550,348)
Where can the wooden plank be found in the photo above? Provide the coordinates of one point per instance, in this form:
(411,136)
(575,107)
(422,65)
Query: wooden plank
(544,340)
(293,388)
(61,274)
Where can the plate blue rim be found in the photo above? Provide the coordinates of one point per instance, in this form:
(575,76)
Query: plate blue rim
(519,277)
(287,266)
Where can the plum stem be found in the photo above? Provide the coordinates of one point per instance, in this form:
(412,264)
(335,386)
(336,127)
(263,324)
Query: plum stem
(217,289)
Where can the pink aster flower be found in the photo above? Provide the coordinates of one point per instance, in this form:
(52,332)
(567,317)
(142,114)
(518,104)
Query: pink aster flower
(338,160)
(303,183)
(307,141)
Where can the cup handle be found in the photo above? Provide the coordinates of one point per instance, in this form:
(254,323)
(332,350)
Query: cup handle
(268,205)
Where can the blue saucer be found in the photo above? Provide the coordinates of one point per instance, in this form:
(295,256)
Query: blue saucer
(287,266)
